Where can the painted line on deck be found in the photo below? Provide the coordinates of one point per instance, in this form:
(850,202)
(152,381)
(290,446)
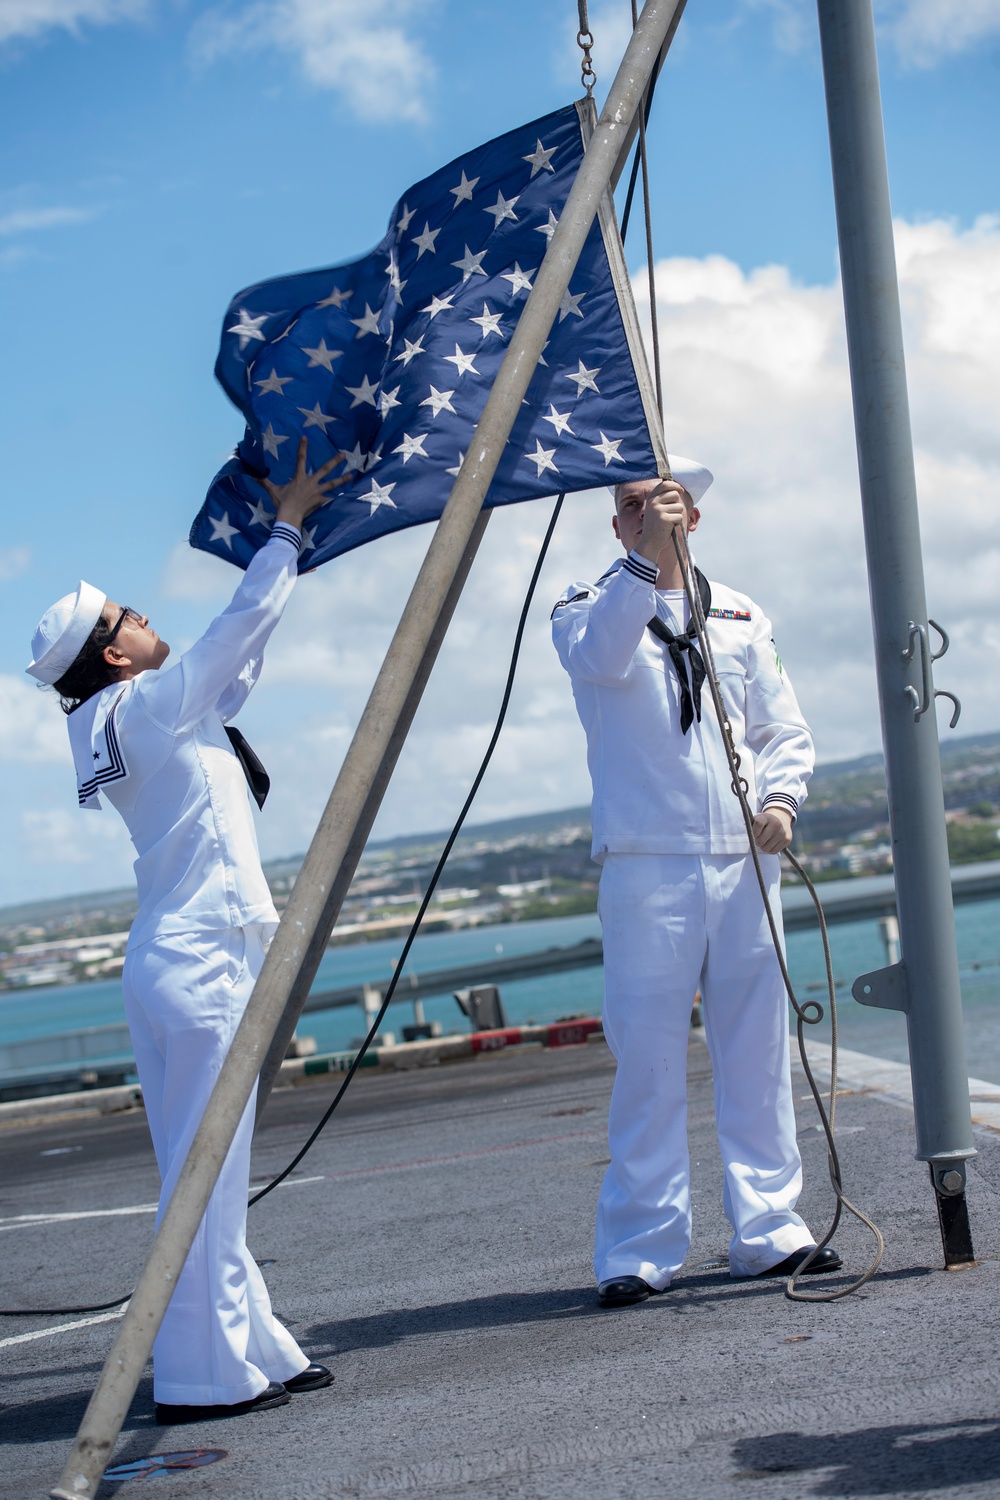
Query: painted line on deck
(32,1221)
(45,1333)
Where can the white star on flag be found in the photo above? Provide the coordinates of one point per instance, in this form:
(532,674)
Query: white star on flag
(315,418)
(584,379)
(365,392)
(309,539)
(438,304)
(454,471)
(571,304)
(560,421)
(403,222)
(222,531)
(380,494)
(374,457)
(411,351)
(462,362)
(464,189)
(489,322)
(248,328)
(321,355)
(520,281)
(439,401)
(274,382)
(337,298)
(550,228)
(271,439)
(540,159)
(470,264)
(387,400)
(367,324)
(426,240)
(354,462)
(259,516)
(411,445)
(608,448)
(542,457)
(502,209)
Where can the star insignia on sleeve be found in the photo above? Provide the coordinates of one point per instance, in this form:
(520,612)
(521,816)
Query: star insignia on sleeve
(520,281)
(425,240)
(222,531)
(550,228)
(584,379)
(248,328)
(411,351)
(470,265)
(367,324)
(489,322)
(463,362)
(439,401)
(608,448)
(271,439)
(403,222)
(337,298)
(379,494)
(275,383)
(387,400)
(560,421)
(540,159)
(502,209)
(315,418)
(321,355)
(571,305)
(464,189)
(542,458)
(411,445)
(365,392)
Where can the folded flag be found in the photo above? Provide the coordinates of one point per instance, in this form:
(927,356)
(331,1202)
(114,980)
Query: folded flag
(390,358)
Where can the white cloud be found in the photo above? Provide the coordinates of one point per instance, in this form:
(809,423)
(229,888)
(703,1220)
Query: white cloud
(923,32)
(363,49)
(30,18)
(32,725)
(26,220)
(13,562)
(60,837)
(198,576)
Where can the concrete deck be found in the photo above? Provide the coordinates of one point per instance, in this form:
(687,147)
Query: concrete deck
(434,1249)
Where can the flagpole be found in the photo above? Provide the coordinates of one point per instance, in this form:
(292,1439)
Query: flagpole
(311,908)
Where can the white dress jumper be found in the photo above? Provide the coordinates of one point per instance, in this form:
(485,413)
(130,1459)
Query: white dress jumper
(156,747)
(680,911)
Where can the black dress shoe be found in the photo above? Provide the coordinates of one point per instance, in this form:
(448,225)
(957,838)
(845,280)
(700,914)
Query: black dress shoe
(173,1416)
(826,1260)
(312,1378)
(621,1291)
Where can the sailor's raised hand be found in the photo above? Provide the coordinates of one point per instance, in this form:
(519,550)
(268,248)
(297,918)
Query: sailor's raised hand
(665,507)
(305,491)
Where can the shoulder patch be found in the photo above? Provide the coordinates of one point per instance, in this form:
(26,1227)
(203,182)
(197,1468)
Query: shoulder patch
(562,603)
(729,614)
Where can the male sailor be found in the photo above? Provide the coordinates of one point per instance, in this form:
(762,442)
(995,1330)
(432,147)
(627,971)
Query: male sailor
(679,902)
(155,745)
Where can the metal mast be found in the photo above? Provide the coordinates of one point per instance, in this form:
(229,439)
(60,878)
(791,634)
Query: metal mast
(925,983)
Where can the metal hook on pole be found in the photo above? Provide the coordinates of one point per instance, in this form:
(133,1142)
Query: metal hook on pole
(585,41)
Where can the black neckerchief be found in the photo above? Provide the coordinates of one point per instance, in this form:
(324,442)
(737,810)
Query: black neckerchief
(676,646)
(257,778)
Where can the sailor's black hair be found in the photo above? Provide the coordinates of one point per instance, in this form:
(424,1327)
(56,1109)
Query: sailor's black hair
(90,673)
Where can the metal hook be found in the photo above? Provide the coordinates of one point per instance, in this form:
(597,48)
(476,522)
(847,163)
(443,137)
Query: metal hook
(944,693)
(945,639)
(920,704)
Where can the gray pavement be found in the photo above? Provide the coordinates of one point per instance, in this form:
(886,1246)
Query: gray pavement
(435,1250)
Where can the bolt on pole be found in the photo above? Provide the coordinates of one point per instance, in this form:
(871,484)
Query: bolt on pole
(308,906)
(925,983)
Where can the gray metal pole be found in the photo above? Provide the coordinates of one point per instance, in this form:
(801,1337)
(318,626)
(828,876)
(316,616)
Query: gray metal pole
(925,984)
(308,906)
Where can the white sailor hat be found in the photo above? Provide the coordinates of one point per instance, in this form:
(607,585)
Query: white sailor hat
(692,475)
(63,631)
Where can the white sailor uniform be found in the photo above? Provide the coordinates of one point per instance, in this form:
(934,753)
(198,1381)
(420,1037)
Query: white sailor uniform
(680,910)
(156,747)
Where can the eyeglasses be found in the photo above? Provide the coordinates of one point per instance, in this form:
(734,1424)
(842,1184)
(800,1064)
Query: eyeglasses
(126,614)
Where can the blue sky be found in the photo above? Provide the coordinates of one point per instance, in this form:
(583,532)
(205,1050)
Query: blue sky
(158,156)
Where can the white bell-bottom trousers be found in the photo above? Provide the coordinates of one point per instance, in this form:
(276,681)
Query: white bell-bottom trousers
(184,996)
(673,924)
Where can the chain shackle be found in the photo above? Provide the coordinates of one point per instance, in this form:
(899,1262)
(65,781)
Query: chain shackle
(585,41)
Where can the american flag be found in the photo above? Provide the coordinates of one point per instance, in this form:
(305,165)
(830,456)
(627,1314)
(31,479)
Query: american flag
(390,358)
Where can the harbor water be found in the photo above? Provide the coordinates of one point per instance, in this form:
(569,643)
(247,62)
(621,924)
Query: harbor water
(857,948)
